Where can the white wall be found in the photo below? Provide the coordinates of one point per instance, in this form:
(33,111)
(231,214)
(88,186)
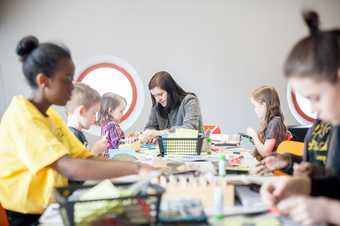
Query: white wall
(219,49)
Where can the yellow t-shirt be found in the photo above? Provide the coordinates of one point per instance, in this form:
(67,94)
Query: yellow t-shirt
(29,143)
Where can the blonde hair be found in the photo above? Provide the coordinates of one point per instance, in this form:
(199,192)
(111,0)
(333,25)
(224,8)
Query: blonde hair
(82,94)
(109,102)
(269,96)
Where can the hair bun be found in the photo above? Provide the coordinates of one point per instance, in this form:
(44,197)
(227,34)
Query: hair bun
(26,45)
(311,18)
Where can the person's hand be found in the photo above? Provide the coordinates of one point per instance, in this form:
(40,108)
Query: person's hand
(306,210)
(147,140)
(131,139)
(302,169)
(261,169)
(269,164)
(152,133)
(251,132)
(275,162)
(99,147)
(145,169)
(149,136)
(283,187)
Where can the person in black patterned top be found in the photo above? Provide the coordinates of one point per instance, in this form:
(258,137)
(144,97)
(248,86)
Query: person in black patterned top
(318,145)
(313,70)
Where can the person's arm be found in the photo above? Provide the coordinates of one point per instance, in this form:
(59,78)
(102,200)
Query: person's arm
(273,135)
(112,136)
(192,114)
(265,149)
(96,169)
(333,212)
(282,162)
(152,123)
(150,136)
(275,190)
(99,147)
(310,210)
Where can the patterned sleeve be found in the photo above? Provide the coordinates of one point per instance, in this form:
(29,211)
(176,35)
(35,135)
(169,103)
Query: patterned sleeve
(110,131)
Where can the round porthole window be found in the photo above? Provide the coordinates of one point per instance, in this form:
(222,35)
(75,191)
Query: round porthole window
(300,107)
(113,74)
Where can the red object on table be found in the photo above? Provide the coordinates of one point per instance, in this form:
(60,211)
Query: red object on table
(235,161)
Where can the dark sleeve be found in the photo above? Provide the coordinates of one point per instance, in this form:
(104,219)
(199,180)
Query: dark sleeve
(318,171)
(192,114)
(152,121)
(326,186)
(333,156)
(274,129)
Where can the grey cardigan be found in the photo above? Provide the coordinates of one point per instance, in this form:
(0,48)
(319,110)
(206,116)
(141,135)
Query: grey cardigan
(186,115)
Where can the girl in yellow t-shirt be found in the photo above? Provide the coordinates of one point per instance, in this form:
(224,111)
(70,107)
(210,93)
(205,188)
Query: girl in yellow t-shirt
(37,151)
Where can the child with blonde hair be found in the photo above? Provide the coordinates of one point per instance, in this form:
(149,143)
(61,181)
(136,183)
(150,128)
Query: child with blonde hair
(82,109)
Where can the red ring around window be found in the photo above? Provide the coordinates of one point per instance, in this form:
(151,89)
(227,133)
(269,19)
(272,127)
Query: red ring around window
(124,72)
(299,110)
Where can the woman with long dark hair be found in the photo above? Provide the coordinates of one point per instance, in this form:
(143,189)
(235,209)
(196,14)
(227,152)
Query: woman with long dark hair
(172,107)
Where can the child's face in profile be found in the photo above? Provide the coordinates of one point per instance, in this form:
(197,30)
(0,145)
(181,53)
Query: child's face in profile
(88,116)
(59,88)
(118,112)
(259,108)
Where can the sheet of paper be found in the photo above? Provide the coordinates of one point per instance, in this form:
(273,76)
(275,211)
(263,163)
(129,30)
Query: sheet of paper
(183,133)
(87,211)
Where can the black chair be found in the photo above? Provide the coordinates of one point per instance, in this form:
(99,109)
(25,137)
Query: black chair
(298,132)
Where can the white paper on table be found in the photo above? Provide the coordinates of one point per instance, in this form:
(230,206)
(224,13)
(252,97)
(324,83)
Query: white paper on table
(103,190)
(184,133)
(51,216)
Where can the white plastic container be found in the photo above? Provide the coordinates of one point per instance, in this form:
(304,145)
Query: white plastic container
(221,165)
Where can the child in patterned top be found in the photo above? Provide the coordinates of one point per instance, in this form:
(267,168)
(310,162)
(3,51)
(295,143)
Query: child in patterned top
(111,111)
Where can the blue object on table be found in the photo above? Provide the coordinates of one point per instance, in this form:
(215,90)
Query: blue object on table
(122,151)
(148,146)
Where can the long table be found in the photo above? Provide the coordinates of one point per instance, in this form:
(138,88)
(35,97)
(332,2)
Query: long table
(197,187)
